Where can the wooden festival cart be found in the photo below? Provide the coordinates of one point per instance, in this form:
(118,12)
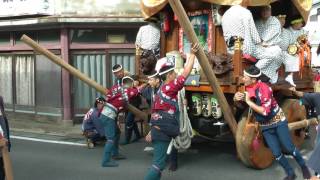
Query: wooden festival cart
(222,86)
(205,28)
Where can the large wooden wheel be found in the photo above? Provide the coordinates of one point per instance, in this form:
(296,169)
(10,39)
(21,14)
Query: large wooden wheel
(259,158)
(295,112)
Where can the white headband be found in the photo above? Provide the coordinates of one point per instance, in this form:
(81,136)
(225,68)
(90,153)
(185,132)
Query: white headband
(251,75)
(153,75)
(118,69)
(168,70)
(127,77)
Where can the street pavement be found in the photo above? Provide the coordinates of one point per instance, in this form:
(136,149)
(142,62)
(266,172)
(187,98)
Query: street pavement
(203,161)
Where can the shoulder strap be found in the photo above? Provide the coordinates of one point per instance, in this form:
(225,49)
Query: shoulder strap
(152,97)
(169,101)
(258,101)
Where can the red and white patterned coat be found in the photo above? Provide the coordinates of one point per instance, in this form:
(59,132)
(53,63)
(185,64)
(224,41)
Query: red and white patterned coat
(119,100)
(169,91)
(265,94)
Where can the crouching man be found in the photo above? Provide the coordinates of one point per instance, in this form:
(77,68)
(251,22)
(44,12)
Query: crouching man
(91,126)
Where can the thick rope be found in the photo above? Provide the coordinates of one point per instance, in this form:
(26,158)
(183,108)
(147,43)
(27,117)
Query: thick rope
(183,141)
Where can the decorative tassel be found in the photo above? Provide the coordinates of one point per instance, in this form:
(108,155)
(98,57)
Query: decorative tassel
(304,48)
(175,18)
(166,22)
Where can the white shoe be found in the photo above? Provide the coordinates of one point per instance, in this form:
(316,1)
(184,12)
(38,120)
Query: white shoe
(148,149)
(218,123)
(289,79)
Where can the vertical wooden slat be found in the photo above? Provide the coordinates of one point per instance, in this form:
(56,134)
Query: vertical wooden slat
(66,93)
(237,62)
(172,39)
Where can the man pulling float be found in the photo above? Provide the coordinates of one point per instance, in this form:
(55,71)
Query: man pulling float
(164,119)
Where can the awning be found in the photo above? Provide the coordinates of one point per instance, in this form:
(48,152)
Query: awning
(304,7)
(235,2)
(151,7)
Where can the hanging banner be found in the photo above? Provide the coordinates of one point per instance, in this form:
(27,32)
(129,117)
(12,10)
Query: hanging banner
(10,8)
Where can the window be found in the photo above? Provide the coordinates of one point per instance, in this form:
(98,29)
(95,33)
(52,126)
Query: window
(94,66)
(18,35)
(17,79)
(4,38)
(30,83)
(45,36)
(127,35)
(97,67)
(6,78)
(88,35)
(48,83)
(24,74)
(48,87)
(127,60)
(49,36)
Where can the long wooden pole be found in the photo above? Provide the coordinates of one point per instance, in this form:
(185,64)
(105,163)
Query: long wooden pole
(203,60)
(7,163)
(75,72)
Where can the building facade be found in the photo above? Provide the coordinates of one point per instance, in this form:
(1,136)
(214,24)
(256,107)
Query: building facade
(91,35)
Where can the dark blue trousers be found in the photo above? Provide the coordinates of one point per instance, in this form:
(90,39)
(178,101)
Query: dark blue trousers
(318,135)
(174,157)
(314,161)
(159,160)
(2,172)
(94,137)
(278,137)
(112,134)
(131,125)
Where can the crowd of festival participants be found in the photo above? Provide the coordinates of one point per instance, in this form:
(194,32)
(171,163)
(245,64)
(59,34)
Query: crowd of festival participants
(265,39)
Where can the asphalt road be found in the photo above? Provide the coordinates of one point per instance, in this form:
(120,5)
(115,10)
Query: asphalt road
(204,161)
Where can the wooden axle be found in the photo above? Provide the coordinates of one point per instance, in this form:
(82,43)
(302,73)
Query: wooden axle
(75,72)
(203,60)
(302,124)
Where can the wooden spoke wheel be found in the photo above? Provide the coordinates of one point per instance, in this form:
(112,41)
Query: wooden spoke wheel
(258,156)
(295,112)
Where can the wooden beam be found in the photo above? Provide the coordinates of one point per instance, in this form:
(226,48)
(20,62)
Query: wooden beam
(75,72)
(207,88)
(203,60)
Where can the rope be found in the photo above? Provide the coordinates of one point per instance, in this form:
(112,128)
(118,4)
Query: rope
(183,141)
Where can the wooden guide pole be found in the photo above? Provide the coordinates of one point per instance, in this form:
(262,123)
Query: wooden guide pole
(75,72)
(7,163)
(203,60)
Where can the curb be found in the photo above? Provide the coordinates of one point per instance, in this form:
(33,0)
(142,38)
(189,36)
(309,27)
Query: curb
(42,132)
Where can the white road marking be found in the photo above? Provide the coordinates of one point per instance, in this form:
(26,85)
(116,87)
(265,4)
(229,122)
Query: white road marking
(47,141)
